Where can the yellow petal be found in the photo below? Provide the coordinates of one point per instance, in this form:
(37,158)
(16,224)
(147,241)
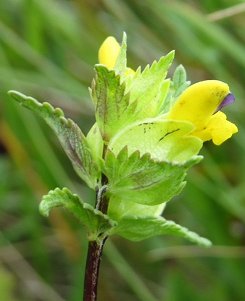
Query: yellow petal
(108,52)
(218,129)
(199,102)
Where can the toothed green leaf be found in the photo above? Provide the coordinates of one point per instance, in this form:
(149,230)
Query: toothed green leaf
(69,134)
(94,220)
(112,107)
(149,87)
(164,140)
(142,180)
(136,229)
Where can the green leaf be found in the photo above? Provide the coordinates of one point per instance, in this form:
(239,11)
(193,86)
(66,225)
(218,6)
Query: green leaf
(136,229)
(143,180)
(164,140)
(178,84)
(69,134)
(112,108)
(94,220)
(121,63)
(96,143)
(149,87)
(118,209)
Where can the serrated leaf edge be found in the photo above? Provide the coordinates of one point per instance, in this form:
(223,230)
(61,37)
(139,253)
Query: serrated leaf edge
(57,112)
(181,231)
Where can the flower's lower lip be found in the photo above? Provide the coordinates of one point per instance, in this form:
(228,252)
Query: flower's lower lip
(229,99)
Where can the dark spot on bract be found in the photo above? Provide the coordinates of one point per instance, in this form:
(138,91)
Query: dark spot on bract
(168,133)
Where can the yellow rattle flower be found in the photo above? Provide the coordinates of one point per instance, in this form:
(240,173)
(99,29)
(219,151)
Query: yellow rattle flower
(108,54)
(200,104)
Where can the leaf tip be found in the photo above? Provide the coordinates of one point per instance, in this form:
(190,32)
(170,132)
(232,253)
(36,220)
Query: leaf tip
(124,38)
(43,209)
(204,242)
(172,52)
(16,95)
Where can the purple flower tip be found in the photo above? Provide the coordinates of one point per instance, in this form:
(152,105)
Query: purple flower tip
(229,99)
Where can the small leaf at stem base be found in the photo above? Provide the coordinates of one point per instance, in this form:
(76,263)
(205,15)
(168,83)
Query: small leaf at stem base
(95,221)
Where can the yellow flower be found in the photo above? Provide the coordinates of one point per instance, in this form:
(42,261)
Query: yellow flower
(108,54)
(199,104)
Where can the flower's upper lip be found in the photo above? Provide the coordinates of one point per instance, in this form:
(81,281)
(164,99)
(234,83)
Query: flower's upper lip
(229,99)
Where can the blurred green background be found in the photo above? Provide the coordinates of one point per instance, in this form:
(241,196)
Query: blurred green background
(47,50)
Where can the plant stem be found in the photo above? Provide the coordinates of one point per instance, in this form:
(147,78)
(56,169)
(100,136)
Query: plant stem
(95,249)
(92,270)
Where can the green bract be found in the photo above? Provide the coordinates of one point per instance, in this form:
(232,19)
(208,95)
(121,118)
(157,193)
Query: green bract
(133,155)
(142,180)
